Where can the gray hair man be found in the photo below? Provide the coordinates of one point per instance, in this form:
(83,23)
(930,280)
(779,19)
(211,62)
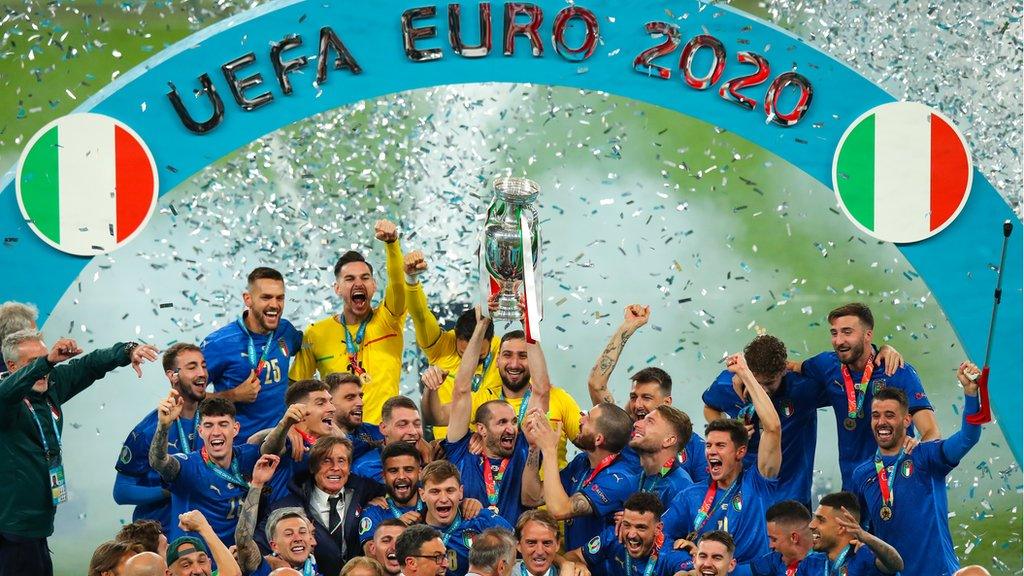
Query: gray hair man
(493,553)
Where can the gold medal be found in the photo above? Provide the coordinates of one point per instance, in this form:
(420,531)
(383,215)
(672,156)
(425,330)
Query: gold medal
(850,424)
(885,513)
(364,377)
(494,509)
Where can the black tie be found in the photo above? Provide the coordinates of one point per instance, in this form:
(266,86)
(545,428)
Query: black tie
(333,518)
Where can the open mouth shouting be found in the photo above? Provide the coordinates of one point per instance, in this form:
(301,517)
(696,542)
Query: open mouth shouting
(507,442)
(393,565)
(299,550)
(885,435)
(355,417)
(359,298)
(402,490)
(716,467)
(538,563)
(707,571)
(217,443)
(445,511)
(634,546)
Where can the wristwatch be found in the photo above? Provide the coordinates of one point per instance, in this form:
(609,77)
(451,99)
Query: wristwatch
(130,347)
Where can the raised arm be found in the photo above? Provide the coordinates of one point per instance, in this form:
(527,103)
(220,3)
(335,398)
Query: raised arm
(394,294)
(167,412)
(636,316)
(248,553)
(561,505)
(887,559)
(540,383)
(129,490)
(462,392)
(194,521)
(423,320)
(769,451)
(275,442)
(435,412)
(956,446)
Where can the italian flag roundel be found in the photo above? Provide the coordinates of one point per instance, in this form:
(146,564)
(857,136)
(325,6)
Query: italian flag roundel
(86,184)
(902,172)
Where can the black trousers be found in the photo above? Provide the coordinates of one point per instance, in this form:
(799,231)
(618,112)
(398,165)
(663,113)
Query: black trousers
(20,556)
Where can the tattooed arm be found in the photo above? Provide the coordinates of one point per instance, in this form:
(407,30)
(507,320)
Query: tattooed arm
(165,465)
(532,494)
(636,316)
(248,553)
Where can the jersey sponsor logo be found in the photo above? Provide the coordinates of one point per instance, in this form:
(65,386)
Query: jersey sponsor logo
(907,468)
(594,546)
(364,525)
(126,455)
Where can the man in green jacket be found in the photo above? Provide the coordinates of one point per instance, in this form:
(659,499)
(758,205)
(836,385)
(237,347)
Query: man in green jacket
(31,422)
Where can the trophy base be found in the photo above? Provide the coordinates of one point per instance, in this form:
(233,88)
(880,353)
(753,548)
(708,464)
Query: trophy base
(507,315)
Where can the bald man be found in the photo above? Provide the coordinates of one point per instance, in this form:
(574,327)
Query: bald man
(145,564)
(972,571)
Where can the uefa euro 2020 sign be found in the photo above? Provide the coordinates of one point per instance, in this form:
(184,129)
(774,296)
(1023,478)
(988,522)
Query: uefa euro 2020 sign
(605,105)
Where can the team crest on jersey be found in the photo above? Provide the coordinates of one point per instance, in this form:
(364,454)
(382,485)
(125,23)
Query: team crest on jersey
(907,468)
(364,525)
(468,537)
(682,457)
(126,455)
(877,384)
(737,502)
(787,407)
(283,346)
(594,546)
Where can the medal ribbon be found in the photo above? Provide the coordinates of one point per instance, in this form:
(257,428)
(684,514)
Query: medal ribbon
(39,425)
(885,486)
(308,438)
(666,468)
(524,572)
(257,363)
(186,445)
(352,345)
(446,534)
(492,482)
(709,500)
(522,407)
(648,569)
(394,507)
(855,401)
(747,413)
(792,568)
(235,477)
(478,378)
(309,567)
(604,463)
(833,567)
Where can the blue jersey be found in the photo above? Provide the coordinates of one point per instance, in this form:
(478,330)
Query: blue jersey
(134,461)
(364,439)
(606,491)
(772,564)
(508,489)
(740,512)
(369,465)
(694,460)
(264,568)
(859,563)
(796,401)
(604,554)
(197,487)
(374,515)
(458,538)
(858,445)
(668,485)
(277,487)
(919,508)
(229,361)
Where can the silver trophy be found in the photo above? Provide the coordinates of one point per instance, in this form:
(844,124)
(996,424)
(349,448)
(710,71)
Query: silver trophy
(503,241)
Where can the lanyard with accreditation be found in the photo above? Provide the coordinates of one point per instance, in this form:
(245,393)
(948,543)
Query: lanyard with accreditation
(58,485)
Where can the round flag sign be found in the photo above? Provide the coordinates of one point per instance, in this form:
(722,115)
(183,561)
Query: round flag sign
(86,184)
(902,172)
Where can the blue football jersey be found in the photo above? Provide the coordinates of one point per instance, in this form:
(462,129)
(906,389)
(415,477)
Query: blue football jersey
(369,465)
(796,401)
(606,491)
(859,563)
(772,564)
(858,445)
(604,554)
(364,439)
(694,460)
(374,515)
(229,362)
(134,461)
(458,538)
(509,488)
(198,487)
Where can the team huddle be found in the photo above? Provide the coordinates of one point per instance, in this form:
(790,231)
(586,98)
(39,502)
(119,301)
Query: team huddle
(304,459)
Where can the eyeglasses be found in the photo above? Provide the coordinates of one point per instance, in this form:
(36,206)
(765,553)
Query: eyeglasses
(439,558)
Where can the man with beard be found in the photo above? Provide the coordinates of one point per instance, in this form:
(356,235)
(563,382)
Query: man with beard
(735,497)
(211,479)
(31,423)
(649,387)
(248,359)
(918,527)
(796,402)
(400,422)
(848,378)
(382,547)
(136,482)
(445,348)
(594,485)
(789,537)
(347,395)
(287,531)
(333,499)
(495,477)
(442,495)
(401,464)
(636,547)
(714,554)
(841,546)
(362,339)
(658,439)
(311,414)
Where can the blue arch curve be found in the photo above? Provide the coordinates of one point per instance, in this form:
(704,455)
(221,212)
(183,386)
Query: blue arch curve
(954,264)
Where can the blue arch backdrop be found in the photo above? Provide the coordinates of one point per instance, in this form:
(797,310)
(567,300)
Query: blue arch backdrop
(955,264)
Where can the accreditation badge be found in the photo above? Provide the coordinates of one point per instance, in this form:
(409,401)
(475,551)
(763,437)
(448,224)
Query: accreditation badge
(58,486)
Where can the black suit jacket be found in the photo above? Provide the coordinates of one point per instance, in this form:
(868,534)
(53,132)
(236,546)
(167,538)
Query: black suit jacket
(328,551)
